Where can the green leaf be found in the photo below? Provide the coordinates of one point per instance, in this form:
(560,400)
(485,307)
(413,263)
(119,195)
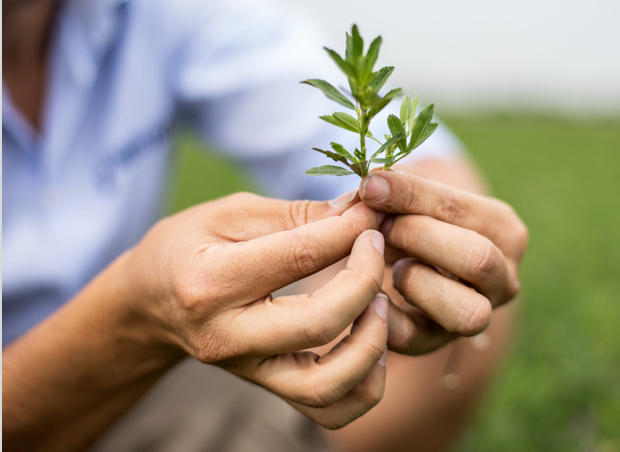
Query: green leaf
(349,51)
(388,143)
(360,168)
(384,161)
(407,112)
(397,128)
(328,170)
(344,66)
(342,151)
(348,120)
(378,103)
(334,156)
(419,125)
(334,121)
(331,92)
(373,53)
(379,78)
(404,110)
(413,106)
(428,131)
(358,44)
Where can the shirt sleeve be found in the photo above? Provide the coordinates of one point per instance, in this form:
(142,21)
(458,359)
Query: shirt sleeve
(237,75)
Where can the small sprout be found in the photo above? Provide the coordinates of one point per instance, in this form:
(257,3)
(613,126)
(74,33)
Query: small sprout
(408,131)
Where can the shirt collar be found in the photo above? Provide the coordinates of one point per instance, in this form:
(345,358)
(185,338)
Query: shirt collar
(86,29)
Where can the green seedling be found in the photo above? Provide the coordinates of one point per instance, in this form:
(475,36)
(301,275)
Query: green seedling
(407,132)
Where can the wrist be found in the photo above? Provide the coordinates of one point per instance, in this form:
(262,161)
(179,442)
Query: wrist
(140,314)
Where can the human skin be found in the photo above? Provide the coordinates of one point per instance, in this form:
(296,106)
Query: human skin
(42,369)
(417,412)
(200,283)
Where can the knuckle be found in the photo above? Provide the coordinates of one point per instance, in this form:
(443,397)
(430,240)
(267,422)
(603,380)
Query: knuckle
(482,258)
(473,319)
(451,210)
(319,394)
(243,197)
(411,199)
(410,235)
(298,213)
(210,350)
(307,255)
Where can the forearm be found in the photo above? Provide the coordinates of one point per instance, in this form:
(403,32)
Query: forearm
(73,375)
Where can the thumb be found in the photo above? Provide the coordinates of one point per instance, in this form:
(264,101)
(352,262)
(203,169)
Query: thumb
(245,216)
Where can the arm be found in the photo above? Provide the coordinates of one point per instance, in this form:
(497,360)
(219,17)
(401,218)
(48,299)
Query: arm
(199,283)
(416,408)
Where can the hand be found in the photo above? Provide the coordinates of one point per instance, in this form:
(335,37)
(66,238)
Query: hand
(457,257)
(205,278)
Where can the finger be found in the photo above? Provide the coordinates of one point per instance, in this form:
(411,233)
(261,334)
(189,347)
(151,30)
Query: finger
(413,333)
(358,401)
(462,252)
(319,382)
(457,308)
(398,192)
(245,216)
(257,267)
(290,323)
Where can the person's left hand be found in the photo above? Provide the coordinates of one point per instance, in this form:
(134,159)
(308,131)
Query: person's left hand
(456,257)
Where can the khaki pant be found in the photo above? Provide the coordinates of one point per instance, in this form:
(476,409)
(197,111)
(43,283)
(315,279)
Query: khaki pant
(197,407)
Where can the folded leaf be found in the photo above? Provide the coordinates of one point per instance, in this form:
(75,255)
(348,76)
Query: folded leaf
(328,170)
(348,120)
(331,92)
(334,121)
(334,156)
(359,168)
(420,123)
(379,78)
(397,128)
(342,151)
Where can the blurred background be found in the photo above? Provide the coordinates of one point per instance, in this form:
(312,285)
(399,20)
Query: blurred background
(532,88)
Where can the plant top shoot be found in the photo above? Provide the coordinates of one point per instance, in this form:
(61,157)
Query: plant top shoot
(408,131)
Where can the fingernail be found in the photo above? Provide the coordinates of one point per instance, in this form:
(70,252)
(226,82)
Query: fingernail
(380,217)
(343,199)
(386,225)
(377,241)
(381,305)
(383,360)
(398,265)
(375,188)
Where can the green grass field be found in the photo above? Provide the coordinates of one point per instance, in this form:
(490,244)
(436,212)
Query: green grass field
(559,390)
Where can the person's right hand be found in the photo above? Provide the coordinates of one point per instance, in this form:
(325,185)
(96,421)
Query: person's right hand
(203,280)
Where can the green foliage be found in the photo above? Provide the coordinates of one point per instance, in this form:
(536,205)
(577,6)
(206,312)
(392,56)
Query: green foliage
(365,86)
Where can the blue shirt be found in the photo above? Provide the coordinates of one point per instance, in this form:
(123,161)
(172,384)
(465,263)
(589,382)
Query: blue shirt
(121,75)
